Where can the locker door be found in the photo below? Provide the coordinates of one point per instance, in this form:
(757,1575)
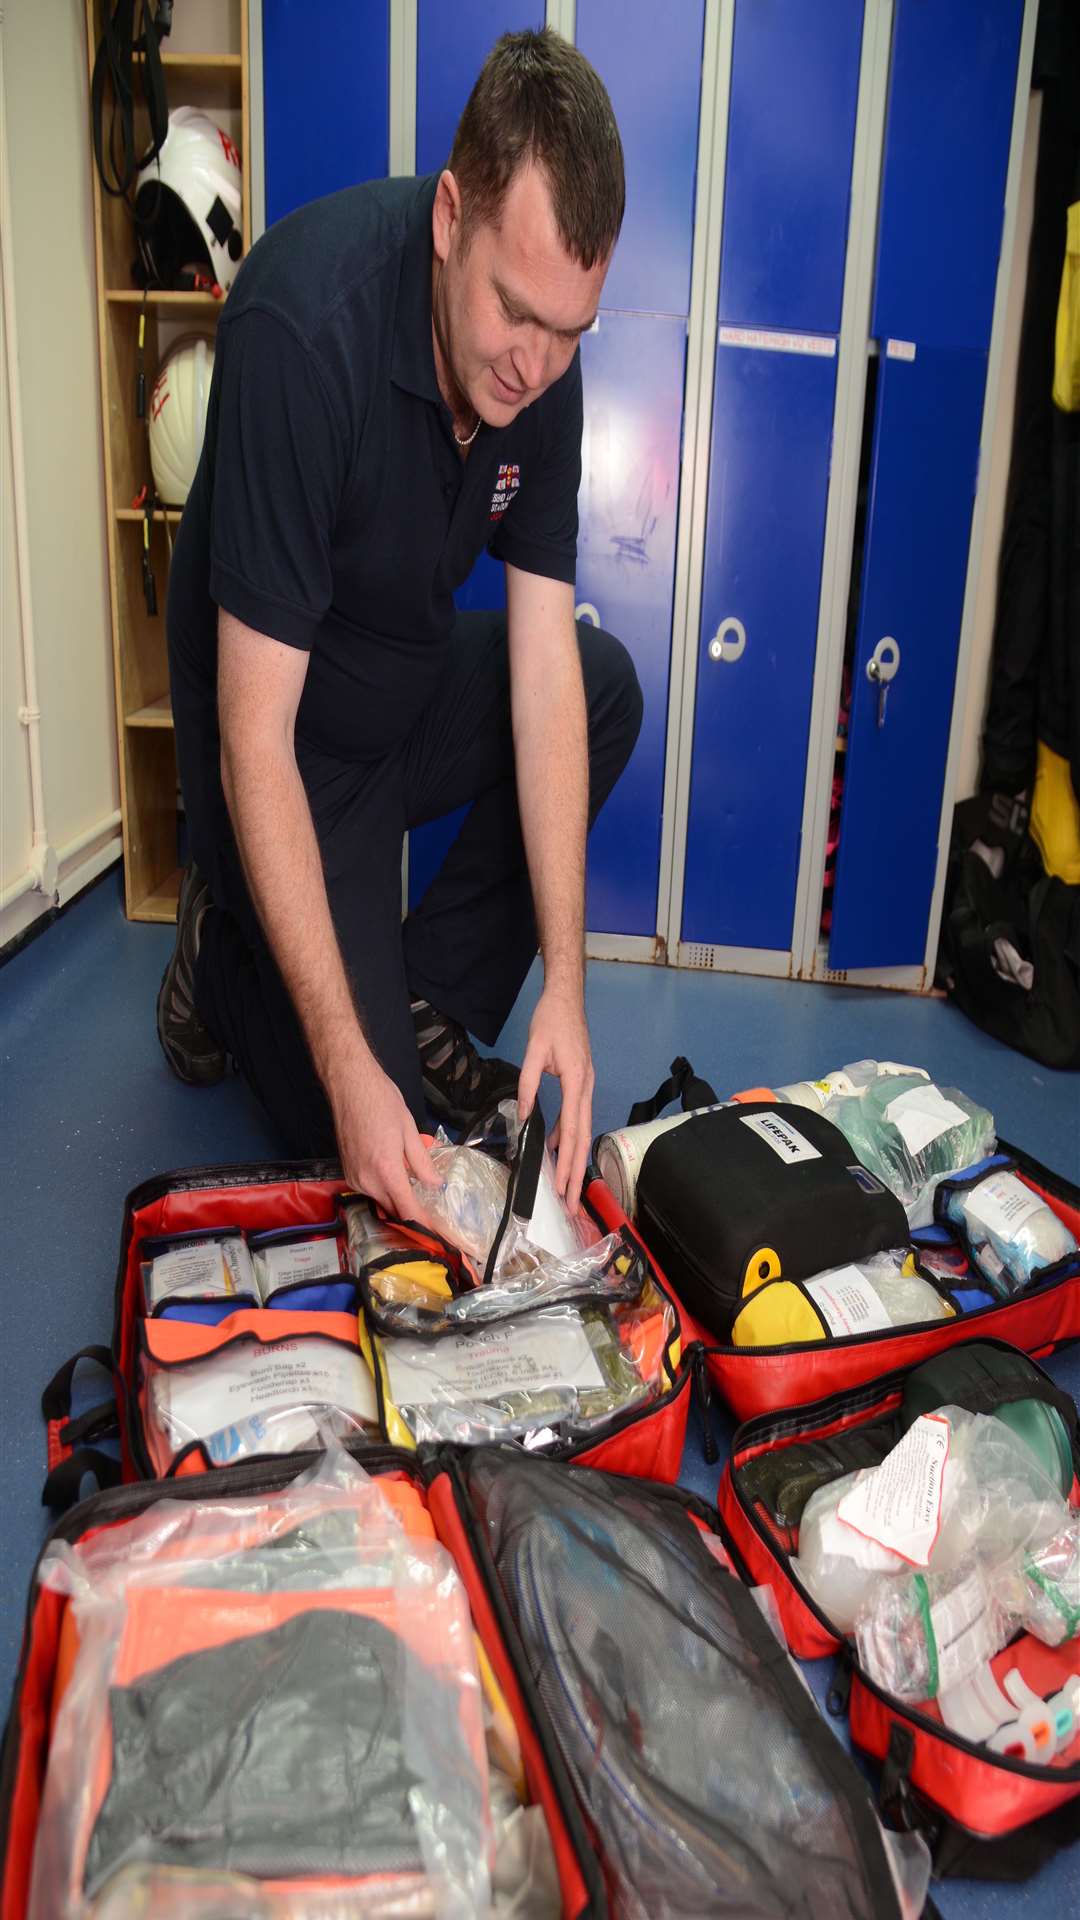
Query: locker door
(452,43)
(768,482)
(326,99)
(632,372)
(923,472)
(951,88)
(794,83)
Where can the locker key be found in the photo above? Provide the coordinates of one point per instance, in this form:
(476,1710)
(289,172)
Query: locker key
(881,668)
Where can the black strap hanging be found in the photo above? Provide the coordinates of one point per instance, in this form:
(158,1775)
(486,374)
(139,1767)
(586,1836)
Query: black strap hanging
(118,161)
(684,1085)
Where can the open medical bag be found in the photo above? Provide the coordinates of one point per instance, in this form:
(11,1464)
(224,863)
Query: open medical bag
(255,1691)
(621,1661)
(704,1221)
(986,1810)
(163,1367)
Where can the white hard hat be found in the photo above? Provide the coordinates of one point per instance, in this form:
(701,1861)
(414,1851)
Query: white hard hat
(188,202)
(178,416)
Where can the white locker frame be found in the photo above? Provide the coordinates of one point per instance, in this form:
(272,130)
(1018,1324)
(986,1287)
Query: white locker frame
(808,956)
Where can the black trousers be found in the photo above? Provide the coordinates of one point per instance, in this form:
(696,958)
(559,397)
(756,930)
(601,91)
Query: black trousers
(468,944)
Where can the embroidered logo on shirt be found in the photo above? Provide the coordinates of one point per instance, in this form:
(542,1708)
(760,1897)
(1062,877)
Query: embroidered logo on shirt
(507,483)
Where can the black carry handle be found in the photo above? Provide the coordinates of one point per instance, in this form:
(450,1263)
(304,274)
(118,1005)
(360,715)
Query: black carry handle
(684,1085)
(56,1399)
(523,1183)
(61,1489)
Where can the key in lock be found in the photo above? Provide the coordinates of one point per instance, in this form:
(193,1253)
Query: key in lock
(881,669)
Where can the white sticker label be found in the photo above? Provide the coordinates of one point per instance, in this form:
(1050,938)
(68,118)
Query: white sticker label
(521,1358)
(297,1262)
(922,1114)
(781,1136)
(822,345)
(899,349)
(197,1400)
(898,1505)
(962,1623)
(221,1268)
(848,1303)
(1001,1203)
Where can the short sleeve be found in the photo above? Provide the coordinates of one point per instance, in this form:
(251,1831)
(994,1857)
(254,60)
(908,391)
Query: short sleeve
(279,472)
(539,532)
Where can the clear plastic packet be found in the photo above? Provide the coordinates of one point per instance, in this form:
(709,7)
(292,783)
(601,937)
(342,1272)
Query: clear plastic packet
(925,1632)
(912,1134)
(1009,1232)
(469,1206)
(303,1267)
(991,1502)
(274,1688)
(493,1203)
(254,1384)
(537,1378)
(209,1266)
(1049,1598)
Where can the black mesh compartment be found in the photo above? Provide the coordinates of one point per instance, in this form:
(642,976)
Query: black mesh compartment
(712,1781)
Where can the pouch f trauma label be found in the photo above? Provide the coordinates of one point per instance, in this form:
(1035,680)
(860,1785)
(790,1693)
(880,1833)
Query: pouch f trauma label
(922,1114)
(197,1400)
(847,1302)
(522,1358)
(217,1267)
(295,1262)
(1001,1203)
(898,1505)
(786,1142)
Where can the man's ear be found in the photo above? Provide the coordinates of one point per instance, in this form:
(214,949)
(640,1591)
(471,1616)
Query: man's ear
(446,214)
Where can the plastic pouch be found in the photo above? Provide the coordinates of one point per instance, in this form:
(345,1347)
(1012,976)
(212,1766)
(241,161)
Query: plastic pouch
(867,1296)
(257,1383)
(303,1269)
(540,1378)
(913,1134)
(283,1690)
(203,1275)
(1009,1233)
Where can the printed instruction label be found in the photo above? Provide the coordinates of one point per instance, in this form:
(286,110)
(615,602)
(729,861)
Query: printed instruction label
(514,1359)
(1001,1203)
(221,1268)
(962,1623)
(198,1400)
(922,1114)
(786,1142)
(847,1302)
(898,1505)
(296,1263)
(765,340)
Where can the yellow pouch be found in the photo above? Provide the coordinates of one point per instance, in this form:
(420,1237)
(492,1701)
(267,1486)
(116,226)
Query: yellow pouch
(776,1314)
(1067,337)
(1055,816)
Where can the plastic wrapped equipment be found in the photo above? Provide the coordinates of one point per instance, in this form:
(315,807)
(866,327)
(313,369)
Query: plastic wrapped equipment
(1010,1233)
(866,1296)
(913,1134)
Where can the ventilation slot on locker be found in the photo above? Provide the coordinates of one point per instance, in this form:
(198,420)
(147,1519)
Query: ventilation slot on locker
(832,843)
(698,956)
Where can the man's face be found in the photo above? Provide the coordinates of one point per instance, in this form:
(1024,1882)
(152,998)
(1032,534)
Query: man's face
(512,306)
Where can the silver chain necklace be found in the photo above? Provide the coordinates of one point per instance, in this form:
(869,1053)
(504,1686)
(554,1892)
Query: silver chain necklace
(472,436)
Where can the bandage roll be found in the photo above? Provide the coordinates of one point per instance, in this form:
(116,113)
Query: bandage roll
(619,1155)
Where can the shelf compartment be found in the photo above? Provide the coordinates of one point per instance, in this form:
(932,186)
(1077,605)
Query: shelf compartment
(156,713)
(160,904)
(166,301)
(134,516)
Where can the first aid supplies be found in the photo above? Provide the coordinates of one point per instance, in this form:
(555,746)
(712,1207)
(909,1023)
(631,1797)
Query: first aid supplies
(1011,1235)
(865,1296)
(912,1134)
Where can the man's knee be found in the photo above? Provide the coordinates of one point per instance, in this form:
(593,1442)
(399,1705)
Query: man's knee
(612,688)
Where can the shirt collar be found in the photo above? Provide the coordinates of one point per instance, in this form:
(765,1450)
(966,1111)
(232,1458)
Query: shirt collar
(413,359)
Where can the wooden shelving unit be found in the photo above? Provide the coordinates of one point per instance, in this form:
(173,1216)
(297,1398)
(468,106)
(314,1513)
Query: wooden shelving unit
(215,80)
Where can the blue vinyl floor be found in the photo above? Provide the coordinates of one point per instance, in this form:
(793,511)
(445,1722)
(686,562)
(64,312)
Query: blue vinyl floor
(88,1109)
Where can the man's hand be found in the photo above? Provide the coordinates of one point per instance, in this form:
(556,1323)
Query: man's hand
(559,1044)
(379,1143)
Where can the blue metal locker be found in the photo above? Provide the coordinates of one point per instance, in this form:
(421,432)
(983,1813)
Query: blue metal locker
(951,91)
(794,86)
(923,473)
(326,98)
(633,370)
(768,482)
(649,59)
(452,44)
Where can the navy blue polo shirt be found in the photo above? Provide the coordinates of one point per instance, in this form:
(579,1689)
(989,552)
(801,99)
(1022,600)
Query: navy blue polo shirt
(331,508)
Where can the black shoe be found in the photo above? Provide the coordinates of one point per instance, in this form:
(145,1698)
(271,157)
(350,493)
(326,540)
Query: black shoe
(461,1086)
(188,1046)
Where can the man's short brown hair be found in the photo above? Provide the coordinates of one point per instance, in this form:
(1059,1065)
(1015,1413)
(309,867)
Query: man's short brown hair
(537,98)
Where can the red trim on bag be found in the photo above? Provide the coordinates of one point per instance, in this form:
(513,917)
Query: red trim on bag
(803,1631)
(976,1793)
(651,1449)
(33,1707)
(757,1381)
(451,1532)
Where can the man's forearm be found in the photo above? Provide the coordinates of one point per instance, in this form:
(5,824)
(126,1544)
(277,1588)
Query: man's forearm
(274,832)
(552,761)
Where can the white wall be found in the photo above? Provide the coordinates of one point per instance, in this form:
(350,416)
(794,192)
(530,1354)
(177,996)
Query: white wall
(997,479)
(46,148)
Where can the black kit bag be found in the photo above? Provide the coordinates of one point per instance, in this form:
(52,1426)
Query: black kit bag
(755,1192)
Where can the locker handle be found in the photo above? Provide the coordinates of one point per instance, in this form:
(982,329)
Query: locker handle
(729,641)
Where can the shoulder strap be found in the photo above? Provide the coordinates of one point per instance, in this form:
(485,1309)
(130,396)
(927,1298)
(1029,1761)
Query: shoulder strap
(682,1084)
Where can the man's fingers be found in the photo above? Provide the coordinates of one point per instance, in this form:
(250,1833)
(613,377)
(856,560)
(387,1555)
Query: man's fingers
(420,1162)
(581,1153)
